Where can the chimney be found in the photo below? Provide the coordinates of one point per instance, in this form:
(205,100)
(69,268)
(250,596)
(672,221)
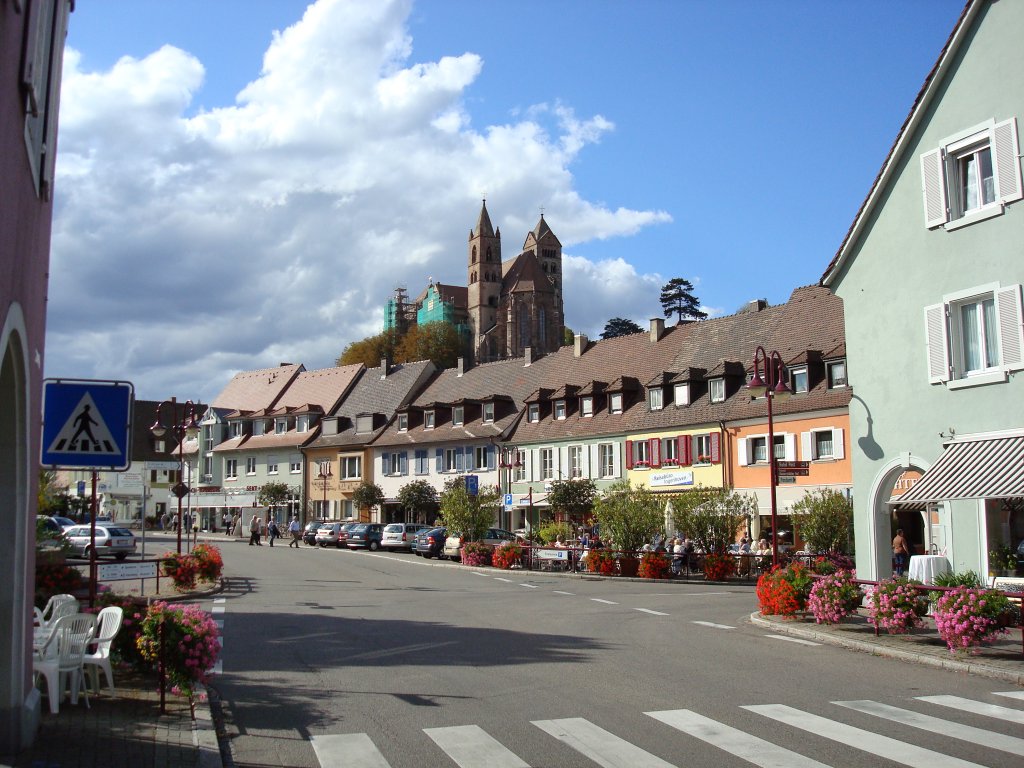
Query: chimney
(657,328)
(528,356)
(460,367)
(580,344)
(383,368)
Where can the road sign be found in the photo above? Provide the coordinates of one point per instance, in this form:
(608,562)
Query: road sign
(122,571)
(472,484)
(87,424)
(508,501)
(792,469)
(792,464)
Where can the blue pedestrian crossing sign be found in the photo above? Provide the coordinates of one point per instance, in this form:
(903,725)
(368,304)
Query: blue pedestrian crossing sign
(87,424)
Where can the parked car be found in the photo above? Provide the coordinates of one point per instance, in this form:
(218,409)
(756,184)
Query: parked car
(401,535)
(366,535)
(346,528)
(430,542)
(327,534)
(110,540)
(494,537)
(309,532)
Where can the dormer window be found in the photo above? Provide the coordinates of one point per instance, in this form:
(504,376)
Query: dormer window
(403,422)
(533,413)
(458,416)
(559,410)
(587,406)
(364,424)
(487,414)
(717,389)
(236,429)
(428,419)
(798,379)
(681,393)
(302,424)
(615,402)
(836,372)
(159,446)
(280,426)
(257,427)
(654,398)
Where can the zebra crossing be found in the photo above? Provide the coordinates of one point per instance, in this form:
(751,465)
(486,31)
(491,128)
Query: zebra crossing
(470,746)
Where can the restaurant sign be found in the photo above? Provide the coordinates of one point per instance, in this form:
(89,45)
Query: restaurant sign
(662,479)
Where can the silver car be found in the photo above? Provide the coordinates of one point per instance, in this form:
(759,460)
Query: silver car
(111,541)
(401,536)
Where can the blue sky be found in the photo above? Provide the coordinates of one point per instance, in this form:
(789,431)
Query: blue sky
(245,183)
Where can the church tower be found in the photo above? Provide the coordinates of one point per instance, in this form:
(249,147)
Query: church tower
(484,276)
(543,243)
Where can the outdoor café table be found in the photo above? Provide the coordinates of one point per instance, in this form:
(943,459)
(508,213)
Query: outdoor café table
(925,568)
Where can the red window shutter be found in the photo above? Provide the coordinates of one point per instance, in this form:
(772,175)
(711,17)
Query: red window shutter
(629,454)
(716,448)
(655,451)
(684,451)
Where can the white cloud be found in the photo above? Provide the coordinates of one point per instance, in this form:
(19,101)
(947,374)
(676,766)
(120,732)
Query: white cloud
(274,229)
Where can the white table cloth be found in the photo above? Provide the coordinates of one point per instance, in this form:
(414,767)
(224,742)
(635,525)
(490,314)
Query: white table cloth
(925,568)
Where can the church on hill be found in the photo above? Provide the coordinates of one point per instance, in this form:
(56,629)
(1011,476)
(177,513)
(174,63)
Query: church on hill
(506,307)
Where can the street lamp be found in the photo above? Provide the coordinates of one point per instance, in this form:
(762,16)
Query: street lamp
(509,460)
(772,385)
(183,425)
(324,477)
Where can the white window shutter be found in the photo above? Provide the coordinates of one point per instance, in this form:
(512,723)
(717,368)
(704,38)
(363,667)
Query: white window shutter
(1006,160)
(1011,327)
(933,184)
(805,447)
(595,459)
(558,460)
(616,460)
(936,329)
(790,441)
(585,460)
(533,465)
(838,449)
(741,452)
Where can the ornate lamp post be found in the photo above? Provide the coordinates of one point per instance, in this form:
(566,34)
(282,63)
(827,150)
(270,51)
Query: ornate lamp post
(324,477)
(509,461)
(183,425)
(773,386)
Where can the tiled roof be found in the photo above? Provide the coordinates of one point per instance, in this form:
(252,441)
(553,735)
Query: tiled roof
(324,387)
(251,390)
(525,275)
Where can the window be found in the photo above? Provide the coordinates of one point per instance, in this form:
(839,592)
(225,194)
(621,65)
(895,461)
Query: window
(458,416)
(836,372)
(159,446)
(519,466)
(681,393)
(702,449)
(641,453)
(615,402)
(452,461)
(302,423)
(207,468)
(533,413)
(547,463)
(295,464)
(428,419)
(394,463)
(403,422)
(422,465)
(759,450)
(798,379)
(487,414)
(560,410)
(250,465)
(280,426)
(975,336)
(606,455)
(364,424)
(587,407)
(754,450)
(480,461)
(236,429)
(230,469)
(258,427)
(971,175)
(823,445)
(669,451)
(654,398)
(575,461)
(717,388)
(208,438)
(351,467)
(271,465)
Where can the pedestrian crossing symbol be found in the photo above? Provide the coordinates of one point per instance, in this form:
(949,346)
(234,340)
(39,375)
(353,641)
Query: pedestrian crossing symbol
(87,424)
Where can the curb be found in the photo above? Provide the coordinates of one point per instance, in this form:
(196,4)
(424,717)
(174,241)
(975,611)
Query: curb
(204,734)
(878,649)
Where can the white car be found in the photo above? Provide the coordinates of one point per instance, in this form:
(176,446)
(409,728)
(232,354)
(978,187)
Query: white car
(401,535)
(111,540)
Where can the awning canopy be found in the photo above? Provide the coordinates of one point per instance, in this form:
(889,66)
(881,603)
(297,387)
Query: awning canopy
(992,468)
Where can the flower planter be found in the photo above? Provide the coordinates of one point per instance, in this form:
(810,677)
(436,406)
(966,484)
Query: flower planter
(629,566)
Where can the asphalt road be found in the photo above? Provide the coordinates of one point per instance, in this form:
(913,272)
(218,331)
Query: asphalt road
(338,658)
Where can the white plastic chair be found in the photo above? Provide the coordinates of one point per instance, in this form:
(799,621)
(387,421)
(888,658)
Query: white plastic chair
(108,624)
(56,606)
(61,657)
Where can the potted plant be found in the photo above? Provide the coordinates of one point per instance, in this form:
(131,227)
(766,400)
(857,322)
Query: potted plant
(601,561)
(897,606)
(654,565)
(784,591)
(476,553)
(506,555)
(969,617)
(1002,560)
(834,597)
(190,644)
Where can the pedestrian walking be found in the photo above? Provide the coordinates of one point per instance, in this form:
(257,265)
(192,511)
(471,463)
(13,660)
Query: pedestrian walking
(254,531)
(273,531)
(296,531)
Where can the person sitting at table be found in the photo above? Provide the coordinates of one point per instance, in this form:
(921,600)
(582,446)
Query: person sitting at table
(559,544)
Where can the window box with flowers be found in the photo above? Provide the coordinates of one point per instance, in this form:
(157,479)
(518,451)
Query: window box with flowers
(702,460)
(670,462)
(641,464)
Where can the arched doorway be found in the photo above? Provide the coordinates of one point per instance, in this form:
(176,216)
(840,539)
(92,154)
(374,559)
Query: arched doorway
(884,515)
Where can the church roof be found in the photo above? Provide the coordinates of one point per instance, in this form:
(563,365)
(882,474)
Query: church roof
(541,231)
(457,295)
(526,274)
(483,224)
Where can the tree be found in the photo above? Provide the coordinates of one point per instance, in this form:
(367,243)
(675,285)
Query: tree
(418,498)
(711,517)
(574,498)
(368,495)
(369,351)
(273,494)
(438,342)
(677,299)
(630,515)
(619,326)
(467,515)
(824,518)
(568,336)
(52,498)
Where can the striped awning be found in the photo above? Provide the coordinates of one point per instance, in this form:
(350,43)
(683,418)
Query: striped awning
(992,468)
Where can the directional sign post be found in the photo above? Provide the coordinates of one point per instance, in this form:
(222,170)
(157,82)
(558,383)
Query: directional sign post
(793,468)
(87,424)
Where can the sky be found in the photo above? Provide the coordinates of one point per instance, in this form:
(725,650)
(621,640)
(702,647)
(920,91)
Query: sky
(243,183)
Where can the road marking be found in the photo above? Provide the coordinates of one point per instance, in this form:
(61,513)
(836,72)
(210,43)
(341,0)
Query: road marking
(976,707)
(735,742)
(218,667)
(219,600)
(470,746)
(653,613)
(712,625)
(606,602)
(937,725)
(866,741)
(354,750)
(789,639)
(218,609)
(478,573)
(507,581)
(219,623)
(560,592)
(604,748)
(529,586)
(385,652)
(1011,694)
